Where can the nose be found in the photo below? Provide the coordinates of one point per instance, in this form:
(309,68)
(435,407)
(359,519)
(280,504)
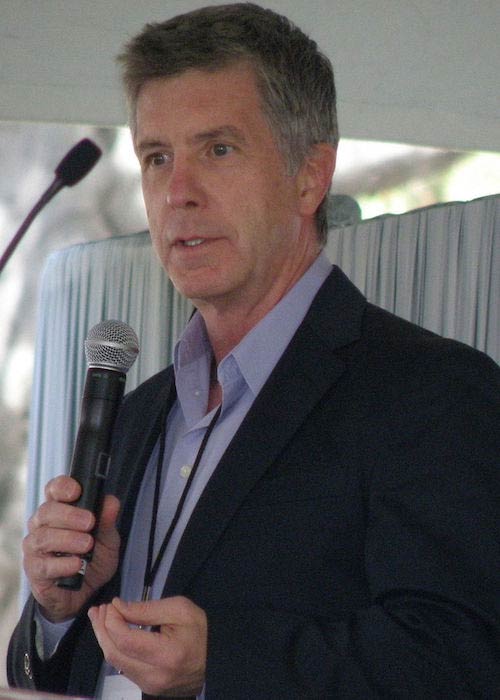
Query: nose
(184,189)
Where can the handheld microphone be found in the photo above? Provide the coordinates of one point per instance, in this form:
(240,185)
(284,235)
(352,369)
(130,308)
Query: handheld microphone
(74,166)
(111,348)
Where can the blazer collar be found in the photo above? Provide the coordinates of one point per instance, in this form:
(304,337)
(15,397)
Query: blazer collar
(307,369)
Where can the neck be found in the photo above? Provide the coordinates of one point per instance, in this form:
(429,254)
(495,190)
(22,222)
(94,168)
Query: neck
(228,321)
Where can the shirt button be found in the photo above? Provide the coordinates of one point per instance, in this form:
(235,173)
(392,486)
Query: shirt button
(185,470)
(197,392)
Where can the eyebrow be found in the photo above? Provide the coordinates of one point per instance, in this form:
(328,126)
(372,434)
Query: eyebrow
(149,145)
(220,132)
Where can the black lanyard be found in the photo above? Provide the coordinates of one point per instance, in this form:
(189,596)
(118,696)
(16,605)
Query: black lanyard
(152,567)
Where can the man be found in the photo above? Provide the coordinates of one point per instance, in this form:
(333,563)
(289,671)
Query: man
(308,499)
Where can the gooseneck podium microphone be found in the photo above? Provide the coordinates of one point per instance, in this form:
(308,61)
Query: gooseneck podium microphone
(111,348)
(74,166)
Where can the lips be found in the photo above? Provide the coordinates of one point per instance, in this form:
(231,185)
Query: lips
(189,238)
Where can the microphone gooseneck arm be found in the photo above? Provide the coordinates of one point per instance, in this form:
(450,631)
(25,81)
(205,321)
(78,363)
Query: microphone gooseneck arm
(72,168)
(44,199)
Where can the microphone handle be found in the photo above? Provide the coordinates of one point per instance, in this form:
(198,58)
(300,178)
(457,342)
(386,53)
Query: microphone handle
(90,462)
(50,192)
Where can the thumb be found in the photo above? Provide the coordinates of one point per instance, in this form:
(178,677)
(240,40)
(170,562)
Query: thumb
(137,612)
(166,611)
(107,534)
(109,513)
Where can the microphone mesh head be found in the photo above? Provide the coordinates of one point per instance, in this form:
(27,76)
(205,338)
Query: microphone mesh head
(111,345)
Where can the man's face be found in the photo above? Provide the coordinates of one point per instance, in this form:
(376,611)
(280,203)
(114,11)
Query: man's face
(223,212)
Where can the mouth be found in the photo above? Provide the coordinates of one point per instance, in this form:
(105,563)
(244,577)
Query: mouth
(191,242)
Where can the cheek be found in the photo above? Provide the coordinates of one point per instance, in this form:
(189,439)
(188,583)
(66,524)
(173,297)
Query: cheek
(149,201)
(158,241)
(157,247)
(156,219)
(153,193)
(155,233)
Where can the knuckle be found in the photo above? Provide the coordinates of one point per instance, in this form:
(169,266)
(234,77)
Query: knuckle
(37,519)
(36,569)
(40,540)
(43,515)
(32,542)
(32,524)
(28,545)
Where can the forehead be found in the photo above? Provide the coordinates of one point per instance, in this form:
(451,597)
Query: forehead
(200,99)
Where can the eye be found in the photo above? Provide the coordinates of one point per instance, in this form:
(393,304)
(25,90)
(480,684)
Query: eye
(158,159)
(221,149)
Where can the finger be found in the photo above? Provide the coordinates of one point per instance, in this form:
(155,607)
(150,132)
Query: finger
(97,617)
(63,488)
(144,657)
(41,564)
(109,514)
(123,647)
(181,644)
(46,541)
(176,610)
(44,571)
(54,514)
(144,613)
(125,643)
(107,538)
(44,544)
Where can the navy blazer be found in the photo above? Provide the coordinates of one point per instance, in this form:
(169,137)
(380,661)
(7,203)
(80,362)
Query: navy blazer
(347,545)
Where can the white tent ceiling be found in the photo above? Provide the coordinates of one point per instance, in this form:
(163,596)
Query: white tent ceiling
(424,73)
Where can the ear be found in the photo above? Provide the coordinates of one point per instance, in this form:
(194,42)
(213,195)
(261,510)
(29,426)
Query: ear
(315,176)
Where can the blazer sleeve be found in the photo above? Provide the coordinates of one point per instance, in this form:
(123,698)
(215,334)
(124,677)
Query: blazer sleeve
(74,667)
(25,668)
(21,655)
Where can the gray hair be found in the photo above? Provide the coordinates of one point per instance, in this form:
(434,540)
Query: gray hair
(294,78)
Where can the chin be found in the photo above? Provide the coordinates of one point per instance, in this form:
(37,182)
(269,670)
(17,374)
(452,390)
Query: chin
(194,292)
(202,287)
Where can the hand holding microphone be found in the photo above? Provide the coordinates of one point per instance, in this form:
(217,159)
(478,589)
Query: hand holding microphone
(111,348)
(63,524)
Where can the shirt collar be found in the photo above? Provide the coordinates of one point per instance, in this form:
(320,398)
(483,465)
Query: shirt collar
(259,351)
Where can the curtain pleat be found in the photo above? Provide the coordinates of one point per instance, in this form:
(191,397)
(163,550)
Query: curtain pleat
(437,266)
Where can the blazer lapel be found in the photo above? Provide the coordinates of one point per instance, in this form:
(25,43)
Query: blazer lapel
(137,444)
(308,368)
